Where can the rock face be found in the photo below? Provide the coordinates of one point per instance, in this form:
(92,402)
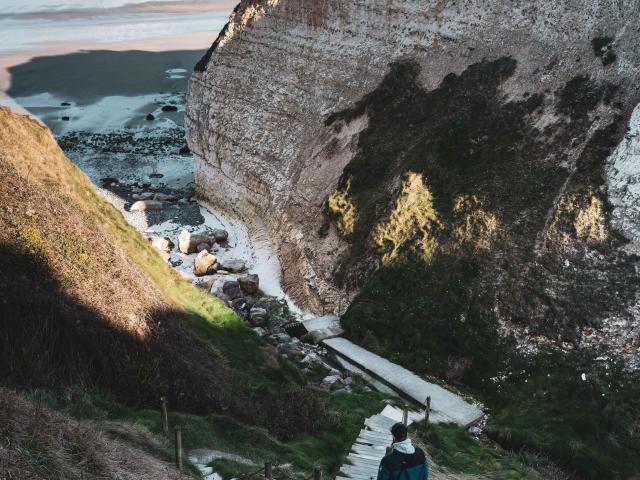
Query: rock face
(257,124)
(478,134)
(623,175)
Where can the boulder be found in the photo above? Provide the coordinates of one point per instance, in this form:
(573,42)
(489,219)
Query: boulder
(257,316)
(239,304)
(249,283)
(150,117)
(163,197)
(142,196)
(185,150)
(232,290)
(146,206)
(169,108)
(280,338)
(204,283)
(294,347)
(331,382)
(65,118)
(108,181)
(205,264)
(233,265)
(202,246)
(188,242)
(259,331)
(220,235)
(162,244)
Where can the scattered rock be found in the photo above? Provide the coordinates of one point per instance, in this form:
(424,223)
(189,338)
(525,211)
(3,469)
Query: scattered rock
(163,197)
(188,242)
(169,108)
(185,150)
(202,246)
(261,332)
(232,290)
(239,304)
(142,196)
(220,235)
(150,117)
(331,382)
(108,181)
(280,338)
(162,244)
(257,316)
(65,104)
(249,284)
(278,309)
(156,175)
(205,264)
(233,265)
(175,263)
(66,119)
(294,347)
(204,283)
(312,360)
(146,206)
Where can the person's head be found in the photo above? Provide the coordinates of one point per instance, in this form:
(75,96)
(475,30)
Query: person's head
(399,432)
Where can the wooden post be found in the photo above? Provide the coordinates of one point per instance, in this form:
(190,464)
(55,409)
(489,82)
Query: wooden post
(317,473)
(165,416)
(405,416)
(268,470)
(179,448)
(427,411)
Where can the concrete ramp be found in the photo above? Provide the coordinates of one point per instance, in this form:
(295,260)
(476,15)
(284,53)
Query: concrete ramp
(446,406)
(322,328)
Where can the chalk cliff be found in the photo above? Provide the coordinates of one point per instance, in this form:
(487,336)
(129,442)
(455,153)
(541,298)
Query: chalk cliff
(368,133)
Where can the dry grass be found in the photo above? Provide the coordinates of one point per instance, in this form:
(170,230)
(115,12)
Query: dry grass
(37,443)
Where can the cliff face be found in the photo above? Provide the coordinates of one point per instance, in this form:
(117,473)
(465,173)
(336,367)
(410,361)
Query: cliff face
(371,133)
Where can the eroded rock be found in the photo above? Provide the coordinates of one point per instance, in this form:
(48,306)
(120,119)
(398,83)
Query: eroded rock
(162,244)
(146,206)
(205,263)
(188,242)
(249,284)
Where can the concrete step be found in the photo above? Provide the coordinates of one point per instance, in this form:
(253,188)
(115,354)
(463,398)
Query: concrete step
(407,384)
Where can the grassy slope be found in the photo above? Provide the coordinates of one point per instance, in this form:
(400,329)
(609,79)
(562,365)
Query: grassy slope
(57,230)
(97,320)
(442,207)
(38,444)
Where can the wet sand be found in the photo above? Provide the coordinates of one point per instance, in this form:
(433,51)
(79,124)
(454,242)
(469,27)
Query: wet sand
(85,77)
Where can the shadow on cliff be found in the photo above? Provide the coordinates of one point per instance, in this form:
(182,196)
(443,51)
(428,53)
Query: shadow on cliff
(462,210)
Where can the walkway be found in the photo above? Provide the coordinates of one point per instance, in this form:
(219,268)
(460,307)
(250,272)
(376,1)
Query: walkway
(446,406)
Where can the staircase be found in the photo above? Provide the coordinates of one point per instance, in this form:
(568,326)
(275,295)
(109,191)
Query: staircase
(364,459)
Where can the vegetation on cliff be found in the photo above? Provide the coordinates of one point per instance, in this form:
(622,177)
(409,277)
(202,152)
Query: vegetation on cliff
(472,224)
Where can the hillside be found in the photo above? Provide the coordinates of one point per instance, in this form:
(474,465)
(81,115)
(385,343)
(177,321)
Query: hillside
(39,444)
(87,304)
(457,179)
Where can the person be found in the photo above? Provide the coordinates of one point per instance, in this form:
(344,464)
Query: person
(403,461)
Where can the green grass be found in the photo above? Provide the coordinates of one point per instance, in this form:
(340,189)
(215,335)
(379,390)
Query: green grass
(453,448)
(325,448)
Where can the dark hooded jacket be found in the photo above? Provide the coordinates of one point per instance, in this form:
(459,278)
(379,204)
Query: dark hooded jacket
(400,465)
